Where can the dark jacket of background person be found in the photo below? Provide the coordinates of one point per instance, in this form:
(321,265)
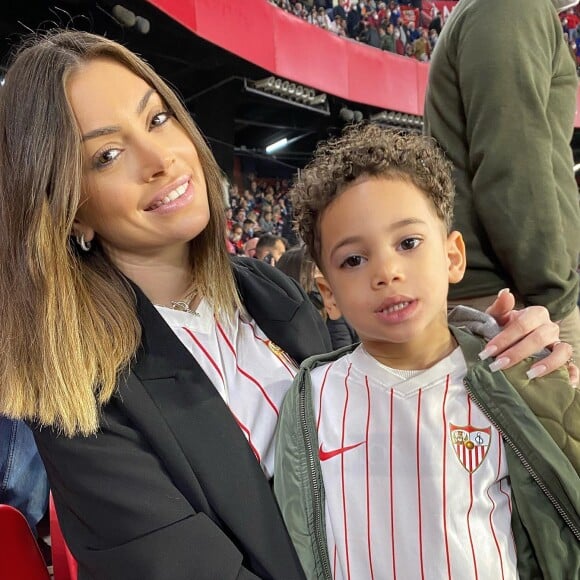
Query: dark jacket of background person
(297,264)
(501,101)
(352,21)
(341,332)
(158,479)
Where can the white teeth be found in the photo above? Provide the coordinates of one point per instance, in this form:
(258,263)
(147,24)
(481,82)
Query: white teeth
(396,307)
(172,196)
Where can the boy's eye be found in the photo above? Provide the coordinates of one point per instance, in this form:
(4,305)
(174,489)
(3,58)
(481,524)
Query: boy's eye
(410,243)
(352,262)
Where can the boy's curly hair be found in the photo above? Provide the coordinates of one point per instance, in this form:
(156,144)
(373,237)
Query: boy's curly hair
(373,151)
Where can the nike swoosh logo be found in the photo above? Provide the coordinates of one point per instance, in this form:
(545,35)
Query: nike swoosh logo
(325,455)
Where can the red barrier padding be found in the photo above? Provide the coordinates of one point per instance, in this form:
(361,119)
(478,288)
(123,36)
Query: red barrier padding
(288,47)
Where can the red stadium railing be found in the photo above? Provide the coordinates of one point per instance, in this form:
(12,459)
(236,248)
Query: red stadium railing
(291,48)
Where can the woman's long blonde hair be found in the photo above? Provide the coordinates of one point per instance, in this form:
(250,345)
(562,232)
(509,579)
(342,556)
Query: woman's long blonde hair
(69,326)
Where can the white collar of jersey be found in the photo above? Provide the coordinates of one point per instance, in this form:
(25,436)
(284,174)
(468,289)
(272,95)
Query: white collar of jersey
(363,362)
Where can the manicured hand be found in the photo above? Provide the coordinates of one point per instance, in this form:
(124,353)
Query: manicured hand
(526,332)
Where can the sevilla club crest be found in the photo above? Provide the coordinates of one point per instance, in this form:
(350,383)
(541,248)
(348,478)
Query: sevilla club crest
(471,444)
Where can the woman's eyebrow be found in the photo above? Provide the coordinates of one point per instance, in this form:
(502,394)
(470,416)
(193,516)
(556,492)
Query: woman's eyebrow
(101,131)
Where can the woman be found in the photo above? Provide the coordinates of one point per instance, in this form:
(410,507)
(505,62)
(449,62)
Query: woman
(150,366)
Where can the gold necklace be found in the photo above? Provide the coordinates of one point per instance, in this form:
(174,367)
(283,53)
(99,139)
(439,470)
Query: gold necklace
(184,304)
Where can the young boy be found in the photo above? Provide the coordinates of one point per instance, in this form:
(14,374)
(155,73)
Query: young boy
(406,456)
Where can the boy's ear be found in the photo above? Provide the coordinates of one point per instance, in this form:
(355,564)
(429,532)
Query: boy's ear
(456,257)
(327,294)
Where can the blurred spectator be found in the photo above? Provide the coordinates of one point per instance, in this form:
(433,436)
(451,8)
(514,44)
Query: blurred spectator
(337,26)
(321,19)
(383,13)
(421,46)
(234,195)
(240,215)
(353,19)
(433,36)
(248,229)
(235,238)
(242,204)
(373,19)
(572,22)
(231,249)
(412,33)
(299,10)
(229,218)
(369,34)
(395,12)
(435,23)
(399,43)
(250,247)
(387,39)
(269,248)
(254,216)
(402,29)
(266,222)
(339,10)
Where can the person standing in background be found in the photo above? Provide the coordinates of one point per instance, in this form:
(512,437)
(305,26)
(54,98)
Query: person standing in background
(506,123)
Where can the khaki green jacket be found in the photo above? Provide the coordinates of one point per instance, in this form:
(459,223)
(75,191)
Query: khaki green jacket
(540,424)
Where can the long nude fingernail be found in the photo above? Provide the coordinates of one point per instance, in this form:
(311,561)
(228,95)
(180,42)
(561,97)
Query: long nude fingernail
(499,364)
(536,372)
(488,351)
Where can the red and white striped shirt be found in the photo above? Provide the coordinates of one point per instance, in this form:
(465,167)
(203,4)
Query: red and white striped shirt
(415,475)
(247,369)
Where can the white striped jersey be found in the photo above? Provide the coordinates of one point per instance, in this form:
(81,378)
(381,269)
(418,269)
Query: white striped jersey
(415,475)
(247,369)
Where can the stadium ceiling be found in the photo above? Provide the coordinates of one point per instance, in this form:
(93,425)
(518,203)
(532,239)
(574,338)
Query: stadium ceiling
(212,81)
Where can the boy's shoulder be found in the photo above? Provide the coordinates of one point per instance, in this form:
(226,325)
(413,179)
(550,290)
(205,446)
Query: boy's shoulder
(320,360)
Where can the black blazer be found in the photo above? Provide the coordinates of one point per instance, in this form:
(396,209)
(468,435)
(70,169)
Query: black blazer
(169,488)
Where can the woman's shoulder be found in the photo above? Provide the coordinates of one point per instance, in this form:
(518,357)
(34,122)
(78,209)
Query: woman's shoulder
(251,271)
(281,308)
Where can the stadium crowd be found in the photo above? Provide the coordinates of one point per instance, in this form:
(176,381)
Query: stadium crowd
(261,208)
(384,25)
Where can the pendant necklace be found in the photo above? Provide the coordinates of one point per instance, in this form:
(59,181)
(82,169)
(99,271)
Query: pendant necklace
(184,304)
